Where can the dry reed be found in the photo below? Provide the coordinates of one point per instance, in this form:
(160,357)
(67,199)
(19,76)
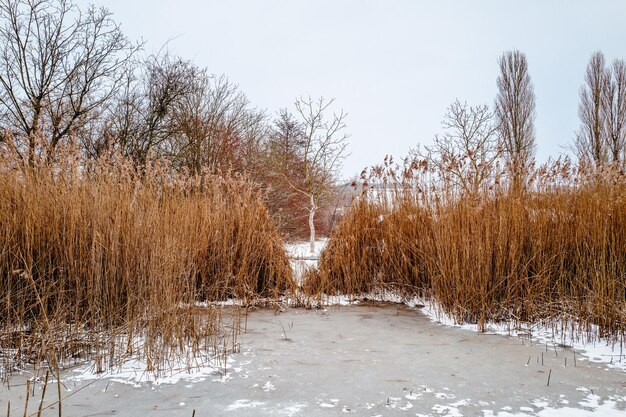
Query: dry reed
(98,256)
(557,250)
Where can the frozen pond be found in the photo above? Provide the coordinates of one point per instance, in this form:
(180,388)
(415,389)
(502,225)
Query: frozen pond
(370,360)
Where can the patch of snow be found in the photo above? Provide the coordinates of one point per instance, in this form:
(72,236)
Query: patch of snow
(293,410)
(406,407)
(592,405)
(332,403)
(302,258)
(135,372)
(239,404)
(447,410)
(412,396)
(268,387)
(592,401)
(302,249)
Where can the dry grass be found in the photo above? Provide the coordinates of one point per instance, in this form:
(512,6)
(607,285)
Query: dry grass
(557,250)
(95,256)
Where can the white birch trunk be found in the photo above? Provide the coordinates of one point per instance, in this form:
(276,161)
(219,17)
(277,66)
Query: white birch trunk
(312,224)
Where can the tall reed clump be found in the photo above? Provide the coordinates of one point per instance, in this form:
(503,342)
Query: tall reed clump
(557,250)
(96,253)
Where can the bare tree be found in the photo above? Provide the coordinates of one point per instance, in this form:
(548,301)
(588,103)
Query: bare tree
(253,133)
(321,150)
(590,143)
(287,138)
(465,155)
(57,67)
(141,122)
(515,115)
(214,125)
(284,153)
(614,112)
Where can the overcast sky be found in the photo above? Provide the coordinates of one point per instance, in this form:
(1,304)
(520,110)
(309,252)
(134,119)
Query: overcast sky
(393,66)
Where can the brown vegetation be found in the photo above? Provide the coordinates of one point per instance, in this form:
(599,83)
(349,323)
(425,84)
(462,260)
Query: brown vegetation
(558,250)
(71,76)
(135,187)
(103,248)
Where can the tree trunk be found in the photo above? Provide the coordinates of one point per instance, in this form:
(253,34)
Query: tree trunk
(32,137)
(312,224)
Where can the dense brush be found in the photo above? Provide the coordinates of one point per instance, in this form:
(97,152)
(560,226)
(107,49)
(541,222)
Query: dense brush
(109,248)
(558,249)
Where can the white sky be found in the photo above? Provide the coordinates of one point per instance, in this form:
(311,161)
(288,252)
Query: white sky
(393,66)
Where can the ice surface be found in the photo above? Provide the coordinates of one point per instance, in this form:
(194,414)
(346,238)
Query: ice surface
(368,359)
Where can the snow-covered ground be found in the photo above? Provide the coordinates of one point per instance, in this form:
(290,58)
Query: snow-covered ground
(135,371)
(302,249)
(302,258)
